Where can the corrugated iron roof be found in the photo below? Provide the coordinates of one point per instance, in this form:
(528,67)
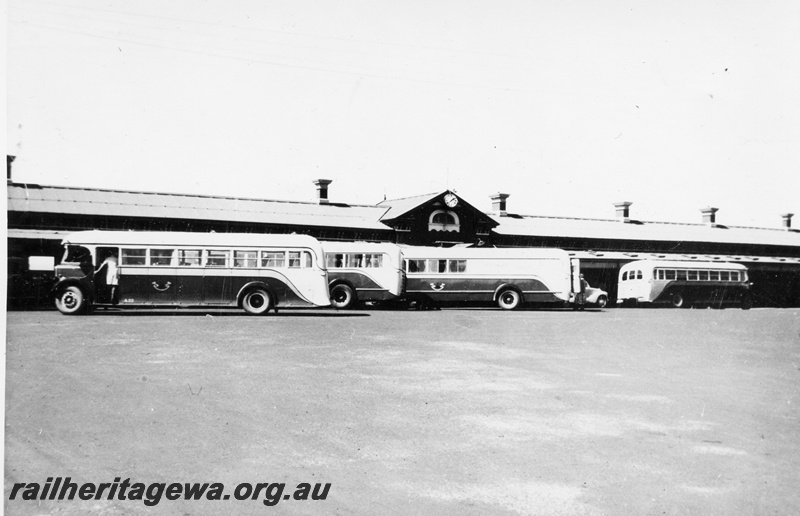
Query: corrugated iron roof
(616,256)
(67,200)
(529,225)
(87,201)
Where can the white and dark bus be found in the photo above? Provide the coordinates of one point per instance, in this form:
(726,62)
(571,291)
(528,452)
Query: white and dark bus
(684,284)
(255,272)
(363,272)
(509,277)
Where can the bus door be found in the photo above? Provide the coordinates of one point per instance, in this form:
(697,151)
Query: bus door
(104,278)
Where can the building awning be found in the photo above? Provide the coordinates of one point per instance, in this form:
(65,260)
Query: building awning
(37,234)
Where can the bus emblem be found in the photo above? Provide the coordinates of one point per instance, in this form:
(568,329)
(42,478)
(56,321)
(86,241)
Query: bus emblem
(160,289)
(437,286)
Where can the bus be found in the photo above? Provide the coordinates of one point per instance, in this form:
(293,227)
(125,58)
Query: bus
(684,284)
(363,272)
(509,277)
(255,272)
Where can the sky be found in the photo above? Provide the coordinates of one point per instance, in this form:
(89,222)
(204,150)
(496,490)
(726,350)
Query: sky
(568,106)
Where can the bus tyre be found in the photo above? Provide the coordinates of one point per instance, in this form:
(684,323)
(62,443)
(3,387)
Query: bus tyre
(679,300)
(71,301)
(256,301)
(342,296)
(747,301)
(509,299)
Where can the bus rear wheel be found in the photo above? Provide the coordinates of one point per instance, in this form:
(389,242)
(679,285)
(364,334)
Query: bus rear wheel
(342,297)
(679,300)
(71,301)
(509,299)
(256,301)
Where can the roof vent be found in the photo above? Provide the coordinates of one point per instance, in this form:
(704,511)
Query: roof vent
(9,160)
(322,190)
(499,203)
(786,220)
(623,211)
(709,215)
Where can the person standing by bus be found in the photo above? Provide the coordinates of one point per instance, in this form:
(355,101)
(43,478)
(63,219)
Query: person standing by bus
(111,276)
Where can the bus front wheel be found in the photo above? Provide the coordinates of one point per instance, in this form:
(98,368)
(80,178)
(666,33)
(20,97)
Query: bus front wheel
(71,301)
(256,302)
(509,299)
(679,300)
(342,297)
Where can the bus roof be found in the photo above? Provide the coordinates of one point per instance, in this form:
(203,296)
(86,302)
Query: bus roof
(175,238)
(363,247)
(419,252)
(680,264)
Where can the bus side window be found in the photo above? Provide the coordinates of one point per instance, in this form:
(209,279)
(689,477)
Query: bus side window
(161,257)
(734,275)
(245,259)
(713,275)
(189,257)
(669,274)
(377,260)
(307,259)
(273,259)
(724,276)
(294,259)
(625,276)
(703,275)
(216,258)
(681,275)
(416,265)
(133,257)
(638,274)
(691,275)
(457,265)
(354,260)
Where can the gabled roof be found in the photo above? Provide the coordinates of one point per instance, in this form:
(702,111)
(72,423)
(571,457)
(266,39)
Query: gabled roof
(400,207)
(89,201)
(610,229)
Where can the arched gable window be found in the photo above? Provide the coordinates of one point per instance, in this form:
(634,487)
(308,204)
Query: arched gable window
(444,220)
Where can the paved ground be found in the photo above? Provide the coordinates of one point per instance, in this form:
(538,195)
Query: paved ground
(452,412)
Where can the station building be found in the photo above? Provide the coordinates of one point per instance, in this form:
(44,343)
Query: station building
(39,216)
